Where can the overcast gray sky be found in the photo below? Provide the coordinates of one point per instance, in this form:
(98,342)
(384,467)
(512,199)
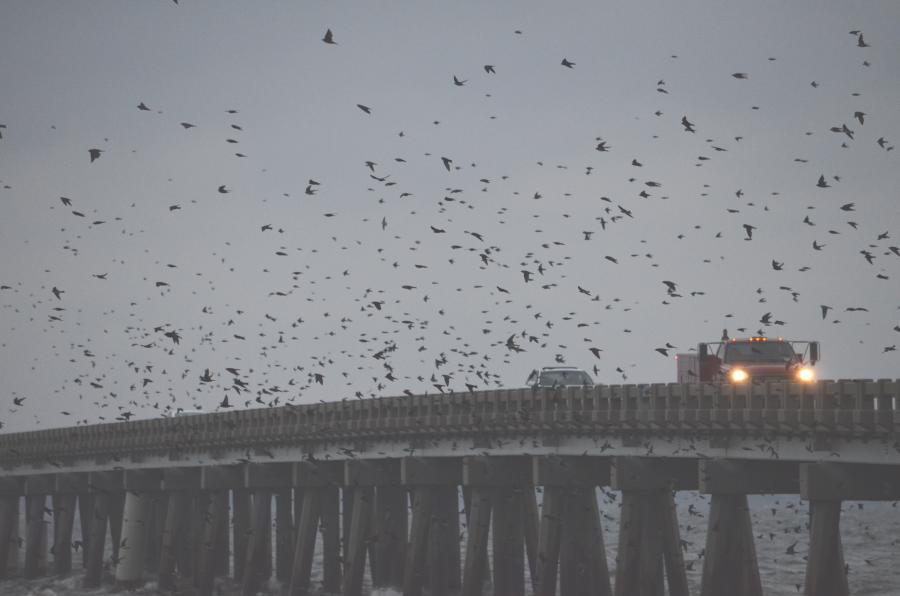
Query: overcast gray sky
(385,270)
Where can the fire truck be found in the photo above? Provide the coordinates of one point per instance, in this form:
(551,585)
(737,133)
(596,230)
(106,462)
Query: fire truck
(748,360)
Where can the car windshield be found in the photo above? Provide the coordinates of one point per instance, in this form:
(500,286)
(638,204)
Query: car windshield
(775,351)
(558,378)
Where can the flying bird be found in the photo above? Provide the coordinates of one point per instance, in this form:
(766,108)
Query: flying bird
(489,68)
(329,37)
(95,154)
(567,63)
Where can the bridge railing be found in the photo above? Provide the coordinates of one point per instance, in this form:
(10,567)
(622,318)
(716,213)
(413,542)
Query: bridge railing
(857,407)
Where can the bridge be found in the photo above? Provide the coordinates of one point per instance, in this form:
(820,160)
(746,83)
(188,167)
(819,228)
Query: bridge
(190,498)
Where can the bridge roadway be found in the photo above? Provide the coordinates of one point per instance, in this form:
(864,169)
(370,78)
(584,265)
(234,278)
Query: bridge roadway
(380,479)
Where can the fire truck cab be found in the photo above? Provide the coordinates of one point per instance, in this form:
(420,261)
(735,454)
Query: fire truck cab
(748,360)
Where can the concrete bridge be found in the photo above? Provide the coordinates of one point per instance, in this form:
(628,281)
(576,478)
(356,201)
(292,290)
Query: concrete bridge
(381,480)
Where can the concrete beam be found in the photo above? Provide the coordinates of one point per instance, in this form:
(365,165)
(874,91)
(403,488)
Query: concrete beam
(11,486)
(318,474)
(500,470)
(270,475)
(372,472)
(142,480)
(181,479)
(41,484)
(105,481)
(572,471)
(71,483)
(645,473)
(748,477)
(221,477)
(430,471)
(829,481)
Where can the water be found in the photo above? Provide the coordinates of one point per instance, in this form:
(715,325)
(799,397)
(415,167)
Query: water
(870,533)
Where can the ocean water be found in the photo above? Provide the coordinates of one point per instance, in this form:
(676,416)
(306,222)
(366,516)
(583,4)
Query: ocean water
(870,534)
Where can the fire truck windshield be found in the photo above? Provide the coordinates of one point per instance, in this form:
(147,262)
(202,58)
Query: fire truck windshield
(771,351)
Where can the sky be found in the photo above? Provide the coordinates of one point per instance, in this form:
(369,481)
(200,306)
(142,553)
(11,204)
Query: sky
(435,193)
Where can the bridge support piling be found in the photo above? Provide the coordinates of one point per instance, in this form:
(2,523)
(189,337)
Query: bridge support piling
(417,553)
(550,538)
(177,514)
(35,537)
(36,490)
(262,480)
(63,522)
(474,570)
(390,533)
(825,486)
(317,483)
(531,527)
(130,564)
(85,512)
(447,521)
(240,530)
(332,567)
(97,541)
(67,488)
(284,520)
(116,512)
(179,484)
(508,541)
(347,500)
(210,548)
(153,539)
(825,571)
(571,536)
(506,479)
(256,566)
(363,497)
(140,486)
(433,556)
(730,564)
(10,489)
(306,542)
(649,540)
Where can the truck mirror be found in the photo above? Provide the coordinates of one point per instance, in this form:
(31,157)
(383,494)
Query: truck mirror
(813,352)
(703,350)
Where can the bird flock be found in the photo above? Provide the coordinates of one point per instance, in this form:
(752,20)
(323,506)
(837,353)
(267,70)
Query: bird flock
(422,267)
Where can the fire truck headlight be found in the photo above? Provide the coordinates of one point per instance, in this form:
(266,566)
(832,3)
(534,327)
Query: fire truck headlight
(738,375)
(806,375)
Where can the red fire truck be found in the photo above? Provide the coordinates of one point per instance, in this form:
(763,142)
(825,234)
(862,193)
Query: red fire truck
(750,359)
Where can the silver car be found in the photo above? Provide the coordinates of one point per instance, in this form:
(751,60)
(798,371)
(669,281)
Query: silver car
(559,376)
